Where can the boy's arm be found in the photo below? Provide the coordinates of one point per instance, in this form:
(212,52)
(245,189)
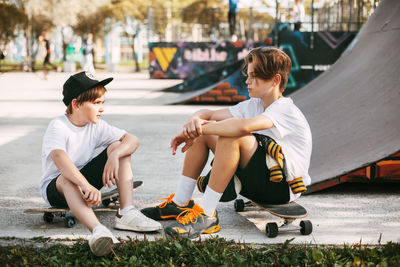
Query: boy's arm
(216,115)
(237,126)
(129,144)
(193,127)
(230,127)
(69,171)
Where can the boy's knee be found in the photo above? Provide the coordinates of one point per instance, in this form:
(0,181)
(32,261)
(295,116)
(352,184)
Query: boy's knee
(208,140)
(229,139)
(113,146)
(239,140)
(62,183)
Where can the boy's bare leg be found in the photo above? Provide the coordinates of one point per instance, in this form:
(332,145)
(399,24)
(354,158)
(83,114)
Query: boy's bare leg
(196,157)
(79,207)
(128,217)
(125,183)
(229,153)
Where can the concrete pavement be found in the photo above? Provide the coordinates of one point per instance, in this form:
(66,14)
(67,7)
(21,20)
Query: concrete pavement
(341,215)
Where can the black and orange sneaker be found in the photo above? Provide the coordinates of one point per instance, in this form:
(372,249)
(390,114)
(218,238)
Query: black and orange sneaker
(192,223)
(167,210)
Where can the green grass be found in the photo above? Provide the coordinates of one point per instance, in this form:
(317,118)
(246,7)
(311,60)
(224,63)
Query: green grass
(212,252)
(6,66)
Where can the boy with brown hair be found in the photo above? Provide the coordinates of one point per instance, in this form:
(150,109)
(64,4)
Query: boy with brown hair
(266,130)
(72,176)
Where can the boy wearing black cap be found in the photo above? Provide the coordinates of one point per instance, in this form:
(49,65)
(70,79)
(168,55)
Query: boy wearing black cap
(72,176)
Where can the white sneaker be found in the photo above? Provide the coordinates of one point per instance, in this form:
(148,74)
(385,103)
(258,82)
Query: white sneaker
(134,220)
(102,241)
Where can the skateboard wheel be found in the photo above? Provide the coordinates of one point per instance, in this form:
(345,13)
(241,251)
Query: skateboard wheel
(69,221)
(239,205)
(48,217)
(306,227)
(271,229)
(106,202)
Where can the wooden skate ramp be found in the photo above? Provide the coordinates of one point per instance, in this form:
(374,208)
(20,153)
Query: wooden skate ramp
(354,107)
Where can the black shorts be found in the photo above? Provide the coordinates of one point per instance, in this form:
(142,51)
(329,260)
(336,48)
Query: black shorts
(256,184)
(93,172)
(255,180)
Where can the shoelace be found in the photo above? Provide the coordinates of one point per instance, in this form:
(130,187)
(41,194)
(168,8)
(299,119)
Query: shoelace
(167,200)
(190,215)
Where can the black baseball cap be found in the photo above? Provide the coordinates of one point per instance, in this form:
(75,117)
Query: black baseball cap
(79,83)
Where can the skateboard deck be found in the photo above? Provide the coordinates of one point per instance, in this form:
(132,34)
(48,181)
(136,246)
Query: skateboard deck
(69,219)
(289,212)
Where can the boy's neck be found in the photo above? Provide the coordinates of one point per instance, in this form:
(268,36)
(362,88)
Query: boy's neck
(268,99)
(74,119)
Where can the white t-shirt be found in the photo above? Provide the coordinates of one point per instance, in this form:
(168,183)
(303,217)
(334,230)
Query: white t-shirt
(291,131)
(79,143)
(298,13)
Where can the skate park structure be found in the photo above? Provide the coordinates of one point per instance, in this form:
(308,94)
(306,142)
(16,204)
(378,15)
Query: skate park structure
(352,107)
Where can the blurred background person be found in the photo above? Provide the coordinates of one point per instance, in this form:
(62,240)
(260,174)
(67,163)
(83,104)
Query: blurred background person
(233,10)
(46,62)
(298,14)
(87,59)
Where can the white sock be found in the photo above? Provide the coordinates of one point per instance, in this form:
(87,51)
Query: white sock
(185,190)
(98,227)
(209,201)
(125,210)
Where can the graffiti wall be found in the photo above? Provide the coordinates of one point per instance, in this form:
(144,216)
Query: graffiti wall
(205,64)
(181,60)
(312,53)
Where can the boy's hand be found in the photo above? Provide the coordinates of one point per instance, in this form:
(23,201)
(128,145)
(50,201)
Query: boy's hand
(91,195)
(110,173)
(193,128)
(178,140)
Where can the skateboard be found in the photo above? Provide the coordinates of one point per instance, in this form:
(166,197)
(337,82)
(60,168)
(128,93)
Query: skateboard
(69,219)
(289,212)
(113,196)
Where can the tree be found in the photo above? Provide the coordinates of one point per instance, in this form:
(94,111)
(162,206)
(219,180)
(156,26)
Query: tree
(61,13)
(12,18)
(92,23)
(208,13)
(131,14)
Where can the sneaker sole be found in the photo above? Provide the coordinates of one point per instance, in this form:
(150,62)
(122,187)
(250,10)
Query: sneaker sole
(102,246)
(168,217)
(211,230)
(121,226)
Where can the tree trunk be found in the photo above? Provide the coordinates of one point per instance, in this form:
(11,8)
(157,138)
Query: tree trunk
(65,46)
(134,56)
(137,68)
(28,57)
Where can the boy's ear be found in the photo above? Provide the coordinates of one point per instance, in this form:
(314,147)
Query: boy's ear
(74,104)
(277,79)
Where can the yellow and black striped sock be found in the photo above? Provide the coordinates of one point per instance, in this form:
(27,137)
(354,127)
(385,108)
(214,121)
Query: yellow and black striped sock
(199,183)
(276,174)
(275,151)
(297,185)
